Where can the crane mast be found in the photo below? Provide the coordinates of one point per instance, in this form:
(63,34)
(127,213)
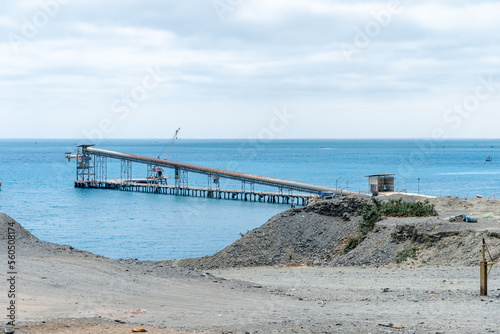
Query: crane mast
(167,153)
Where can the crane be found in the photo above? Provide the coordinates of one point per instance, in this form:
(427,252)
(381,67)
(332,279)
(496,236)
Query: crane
(158,171)
(169,148)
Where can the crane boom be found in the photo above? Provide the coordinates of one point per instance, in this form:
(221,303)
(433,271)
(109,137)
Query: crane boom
(167,153)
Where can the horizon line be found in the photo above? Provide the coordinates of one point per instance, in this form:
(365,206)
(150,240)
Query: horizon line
(266,139)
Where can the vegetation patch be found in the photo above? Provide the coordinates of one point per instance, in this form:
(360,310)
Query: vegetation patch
(353,242)
(371,213)
(406,254)
(429,242)
(399,208)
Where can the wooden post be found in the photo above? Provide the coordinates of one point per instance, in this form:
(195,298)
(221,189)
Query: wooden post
(483,290)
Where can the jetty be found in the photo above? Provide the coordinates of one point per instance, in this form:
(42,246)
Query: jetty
(92,169)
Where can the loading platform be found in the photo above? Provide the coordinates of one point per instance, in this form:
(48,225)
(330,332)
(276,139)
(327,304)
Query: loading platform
(92,173)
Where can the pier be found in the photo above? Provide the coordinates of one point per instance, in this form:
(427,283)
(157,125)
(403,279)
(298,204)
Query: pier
(91,172)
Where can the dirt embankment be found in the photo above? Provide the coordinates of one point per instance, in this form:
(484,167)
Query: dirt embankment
(316,235)
(10,226)
(312,235)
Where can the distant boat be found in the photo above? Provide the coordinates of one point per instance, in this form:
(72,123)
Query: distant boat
(489,159)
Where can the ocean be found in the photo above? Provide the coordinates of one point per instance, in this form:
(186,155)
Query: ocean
(37,187)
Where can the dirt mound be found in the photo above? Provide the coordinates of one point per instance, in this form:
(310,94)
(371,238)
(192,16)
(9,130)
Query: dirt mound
(10,226)
(316,235)
(428,241)
(336,208)
(25,241)
(313,234)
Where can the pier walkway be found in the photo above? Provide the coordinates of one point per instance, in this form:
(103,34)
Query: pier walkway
(92,173)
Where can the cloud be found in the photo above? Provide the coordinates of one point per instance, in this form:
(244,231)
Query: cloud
(88,54)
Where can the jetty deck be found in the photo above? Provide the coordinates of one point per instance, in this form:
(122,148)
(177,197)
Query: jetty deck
(92,173)
(230,194)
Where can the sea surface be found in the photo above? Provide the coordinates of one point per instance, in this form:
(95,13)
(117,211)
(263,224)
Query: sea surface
(37,187)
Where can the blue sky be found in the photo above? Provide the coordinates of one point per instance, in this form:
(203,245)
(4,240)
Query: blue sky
(249,69)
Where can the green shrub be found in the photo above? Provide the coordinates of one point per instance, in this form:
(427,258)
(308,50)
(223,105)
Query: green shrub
(352,243)
(407,253)
(429,242)
(370,214)
(373,212)
(398,208)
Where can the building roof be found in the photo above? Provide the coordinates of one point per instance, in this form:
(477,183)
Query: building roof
(380,175)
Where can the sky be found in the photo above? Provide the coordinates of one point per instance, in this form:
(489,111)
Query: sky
(265,69)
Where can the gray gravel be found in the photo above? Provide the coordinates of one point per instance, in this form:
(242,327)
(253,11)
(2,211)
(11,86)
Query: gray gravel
(313,235)
(316,235)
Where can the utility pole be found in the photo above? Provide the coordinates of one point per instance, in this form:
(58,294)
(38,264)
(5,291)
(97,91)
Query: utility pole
(418,189)
(484,272)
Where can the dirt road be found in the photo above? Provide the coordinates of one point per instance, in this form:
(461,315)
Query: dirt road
(58,285)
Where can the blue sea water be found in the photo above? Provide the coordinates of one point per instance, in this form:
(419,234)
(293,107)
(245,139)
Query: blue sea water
(37,187)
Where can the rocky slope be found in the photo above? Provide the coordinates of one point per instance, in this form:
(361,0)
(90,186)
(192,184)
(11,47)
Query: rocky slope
(316,235)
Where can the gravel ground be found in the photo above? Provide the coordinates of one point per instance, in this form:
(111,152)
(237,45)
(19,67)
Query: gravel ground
(91,325)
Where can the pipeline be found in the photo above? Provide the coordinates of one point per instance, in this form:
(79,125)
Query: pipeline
(268,181)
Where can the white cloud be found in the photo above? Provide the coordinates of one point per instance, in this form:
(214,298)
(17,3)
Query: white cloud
(282,10)
(266,53)
(453,18)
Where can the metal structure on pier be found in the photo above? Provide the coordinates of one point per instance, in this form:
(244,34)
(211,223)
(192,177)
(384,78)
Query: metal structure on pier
(91,169)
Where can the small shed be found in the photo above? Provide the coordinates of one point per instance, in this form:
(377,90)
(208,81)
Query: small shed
(380,183)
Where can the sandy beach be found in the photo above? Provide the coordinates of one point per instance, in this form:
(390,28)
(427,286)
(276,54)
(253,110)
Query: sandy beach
(65,290)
